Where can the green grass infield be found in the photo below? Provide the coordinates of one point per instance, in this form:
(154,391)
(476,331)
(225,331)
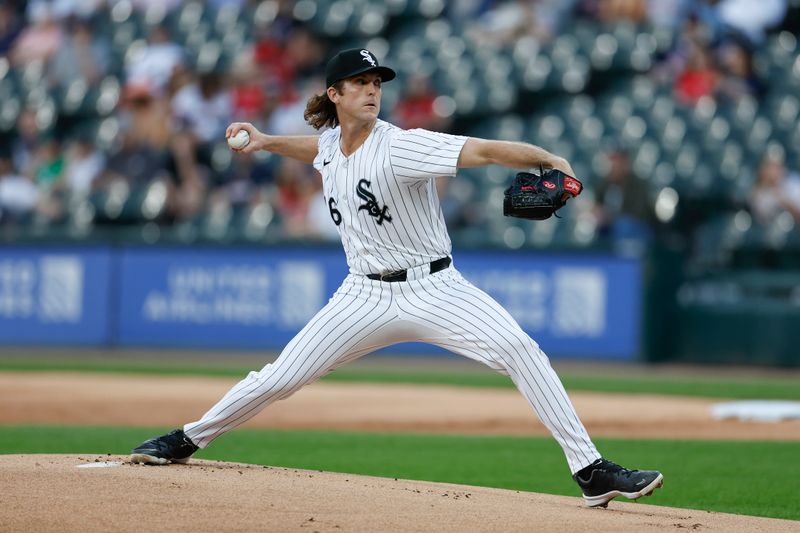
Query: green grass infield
(733,477)
(655,382)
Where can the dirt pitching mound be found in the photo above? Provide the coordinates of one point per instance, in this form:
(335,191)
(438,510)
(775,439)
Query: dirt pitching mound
(105,493)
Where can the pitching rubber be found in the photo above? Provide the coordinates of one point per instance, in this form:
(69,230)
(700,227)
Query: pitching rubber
(602,500)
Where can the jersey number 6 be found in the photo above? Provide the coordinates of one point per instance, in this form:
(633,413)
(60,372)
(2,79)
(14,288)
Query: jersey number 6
(335,214)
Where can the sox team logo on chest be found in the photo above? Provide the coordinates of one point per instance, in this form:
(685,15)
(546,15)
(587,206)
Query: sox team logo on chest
(371,205)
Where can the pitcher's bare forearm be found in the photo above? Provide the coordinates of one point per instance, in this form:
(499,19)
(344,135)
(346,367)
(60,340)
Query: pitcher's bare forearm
(303,148)
(481,152)
(300,147)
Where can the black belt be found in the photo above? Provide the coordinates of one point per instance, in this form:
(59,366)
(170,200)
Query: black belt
(402,275)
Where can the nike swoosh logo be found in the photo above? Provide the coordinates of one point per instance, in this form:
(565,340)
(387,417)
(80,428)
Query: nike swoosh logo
(325,163)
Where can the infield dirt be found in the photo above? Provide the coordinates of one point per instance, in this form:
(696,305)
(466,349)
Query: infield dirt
(107,399)
(50,493)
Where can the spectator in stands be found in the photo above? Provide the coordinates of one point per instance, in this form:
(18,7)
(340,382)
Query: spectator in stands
(81,56)
(616,10)
(154,68)
(48,172)
(304,52)
(47,165)
(456,197)
(200,112)
(288,56)
(699,78)
(737,78)
(508,21)
(18,194)
(132,165)
(67,174)
(776,191)
(249,100)
(622,205)
(202,108)
(748,18)
(287,117)
(41,39)
(26,142)
(84,164)
(668,13)
(10,28)
(692,35)
(297,185)
(415,107)
(244,180)
(660,13)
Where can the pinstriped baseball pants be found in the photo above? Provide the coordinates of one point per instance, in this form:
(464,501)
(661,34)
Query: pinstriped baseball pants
(442,309)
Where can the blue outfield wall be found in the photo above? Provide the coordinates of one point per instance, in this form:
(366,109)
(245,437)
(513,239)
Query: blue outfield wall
(55,296)
(581,305)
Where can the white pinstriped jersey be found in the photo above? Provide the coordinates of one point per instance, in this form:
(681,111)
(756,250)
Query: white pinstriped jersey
(382,197)
(386,209)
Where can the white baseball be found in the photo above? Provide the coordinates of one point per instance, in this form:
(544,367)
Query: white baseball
(240,140)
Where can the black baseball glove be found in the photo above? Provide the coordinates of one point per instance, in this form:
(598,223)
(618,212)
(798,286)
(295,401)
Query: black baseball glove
(538,197)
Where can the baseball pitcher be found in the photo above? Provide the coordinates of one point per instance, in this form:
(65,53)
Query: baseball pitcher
(402,284)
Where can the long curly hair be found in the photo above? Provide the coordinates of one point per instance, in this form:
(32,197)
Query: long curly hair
(321,111)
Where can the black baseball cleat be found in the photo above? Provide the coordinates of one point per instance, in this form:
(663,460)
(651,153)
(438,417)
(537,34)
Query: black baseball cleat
(174,447)
(602,481)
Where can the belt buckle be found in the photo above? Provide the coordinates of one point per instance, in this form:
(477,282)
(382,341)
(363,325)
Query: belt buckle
(393,276)
(387,277)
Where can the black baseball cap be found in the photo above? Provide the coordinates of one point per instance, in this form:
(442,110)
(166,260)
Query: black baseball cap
(353,62)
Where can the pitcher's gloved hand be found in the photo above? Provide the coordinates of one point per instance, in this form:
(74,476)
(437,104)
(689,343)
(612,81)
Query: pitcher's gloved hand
(539,196)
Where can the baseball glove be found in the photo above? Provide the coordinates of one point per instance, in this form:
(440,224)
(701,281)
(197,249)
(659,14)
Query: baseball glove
(538,197)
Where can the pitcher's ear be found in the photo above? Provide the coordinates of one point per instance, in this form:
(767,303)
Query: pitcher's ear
(333,94)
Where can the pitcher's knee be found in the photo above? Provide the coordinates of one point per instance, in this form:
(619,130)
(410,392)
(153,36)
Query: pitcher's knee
(268,382)
(516,350)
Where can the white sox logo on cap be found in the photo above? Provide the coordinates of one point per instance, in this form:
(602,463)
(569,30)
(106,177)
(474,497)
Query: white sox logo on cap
(368,58)
(352,62)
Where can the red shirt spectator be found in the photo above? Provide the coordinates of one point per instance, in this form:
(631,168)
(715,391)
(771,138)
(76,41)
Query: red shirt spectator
(698,79)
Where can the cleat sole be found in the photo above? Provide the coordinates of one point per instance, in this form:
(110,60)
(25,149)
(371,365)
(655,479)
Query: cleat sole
(146,459)
(603,499)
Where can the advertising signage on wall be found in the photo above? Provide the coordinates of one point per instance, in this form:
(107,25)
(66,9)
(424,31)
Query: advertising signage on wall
(57,296)
(260,299)
(585,305)
(223,298)
(579,305)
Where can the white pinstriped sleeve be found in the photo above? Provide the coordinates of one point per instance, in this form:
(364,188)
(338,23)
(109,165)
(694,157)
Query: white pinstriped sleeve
(421,154)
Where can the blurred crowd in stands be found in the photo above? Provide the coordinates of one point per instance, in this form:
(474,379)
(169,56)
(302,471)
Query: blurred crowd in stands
(165,139)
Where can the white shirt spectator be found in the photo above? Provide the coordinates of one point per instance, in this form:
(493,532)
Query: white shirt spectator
(155,66)
(750,17)
(18,194)
(83,166)
(207,118)
(768,202)
(667,13)
(80,8)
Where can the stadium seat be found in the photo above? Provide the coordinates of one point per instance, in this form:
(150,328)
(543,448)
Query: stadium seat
(645,157)
(253,223)
(541,233)
(9,111)
(604,51)
(644,93)
(370,19)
